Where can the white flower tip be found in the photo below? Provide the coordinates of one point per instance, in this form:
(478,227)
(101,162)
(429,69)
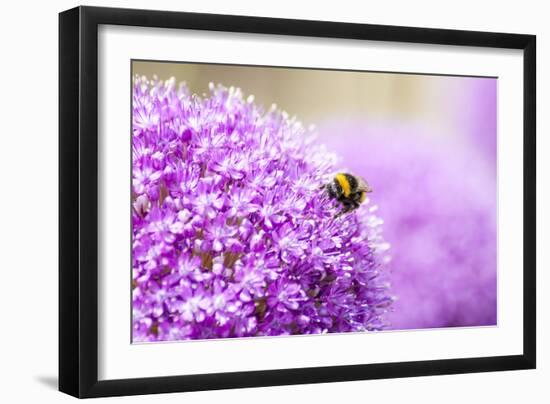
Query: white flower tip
(170,83)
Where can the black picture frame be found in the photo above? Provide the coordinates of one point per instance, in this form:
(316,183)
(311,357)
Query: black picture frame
(78,201)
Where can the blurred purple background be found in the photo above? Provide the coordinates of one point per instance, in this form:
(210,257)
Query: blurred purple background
(436,190)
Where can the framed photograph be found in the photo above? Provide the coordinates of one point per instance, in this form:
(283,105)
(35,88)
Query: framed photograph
(251,201)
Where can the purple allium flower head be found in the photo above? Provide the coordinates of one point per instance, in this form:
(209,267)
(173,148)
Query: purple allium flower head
(233,234)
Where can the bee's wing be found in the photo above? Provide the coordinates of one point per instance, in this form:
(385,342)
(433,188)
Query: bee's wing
(363,185)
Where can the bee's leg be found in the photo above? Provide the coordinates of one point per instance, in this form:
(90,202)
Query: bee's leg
(348,207)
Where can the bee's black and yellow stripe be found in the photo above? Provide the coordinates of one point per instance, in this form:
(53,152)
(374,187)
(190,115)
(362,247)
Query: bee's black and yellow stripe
(345,188)
(347,183)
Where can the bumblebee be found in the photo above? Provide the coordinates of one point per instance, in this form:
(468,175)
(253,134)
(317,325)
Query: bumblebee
(350,190)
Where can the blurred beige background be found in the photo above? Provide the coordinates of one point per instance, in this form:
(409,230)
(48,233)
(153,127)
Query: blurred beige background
(318,95)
